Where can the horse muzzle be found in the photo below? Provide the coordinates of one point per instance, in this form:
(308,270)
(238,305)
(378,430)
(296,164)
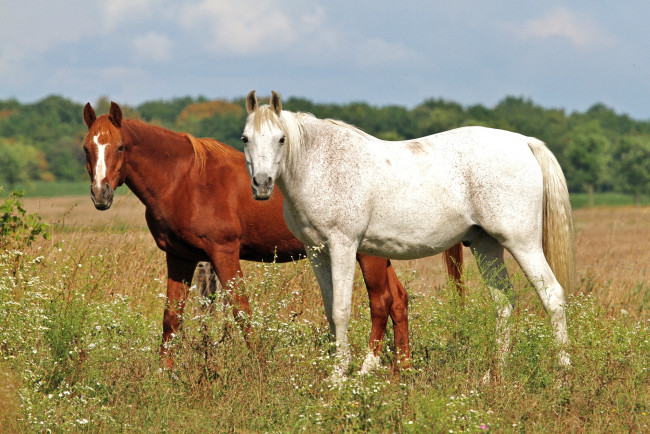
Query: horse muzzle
(262,187)
(102,196)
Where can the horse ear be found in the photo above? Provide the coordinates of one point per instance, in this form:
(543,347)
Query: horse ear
(115,115)
(89,115)
(276,103)
(251,102)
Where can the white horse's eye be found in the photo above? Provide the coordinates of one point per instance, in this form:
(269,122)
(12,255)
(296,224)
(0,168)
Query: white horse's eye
(244,139)
(282,140)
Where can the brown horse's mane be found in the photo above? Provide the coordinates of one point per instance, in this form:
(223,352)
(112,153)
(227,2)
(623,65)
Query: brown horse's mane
(203,147)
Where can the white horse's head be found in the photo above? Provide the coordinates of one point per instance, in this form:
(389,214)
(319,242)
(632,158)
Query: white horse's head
(264,140)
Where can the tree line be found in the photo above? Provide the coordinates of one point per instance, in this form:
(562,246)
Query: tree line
(600,150)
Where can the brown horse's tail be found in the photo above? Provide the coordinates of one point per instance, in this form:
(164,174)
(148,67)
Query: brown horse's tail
(453,257)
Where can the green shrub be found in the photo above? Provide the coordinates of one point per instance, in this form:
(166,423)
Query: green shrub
(17,228)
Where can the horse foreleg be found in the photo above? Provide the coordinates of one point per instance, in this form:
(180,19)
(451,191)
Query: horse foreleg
(321,263)
(322,266)
(375,275)
(399,314)
(225,262)
(179,277)
(342,258)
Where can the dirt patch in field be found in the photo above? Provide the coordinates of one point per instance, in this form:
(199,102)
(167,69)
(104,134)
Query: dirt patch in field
(79,211)
(613,256)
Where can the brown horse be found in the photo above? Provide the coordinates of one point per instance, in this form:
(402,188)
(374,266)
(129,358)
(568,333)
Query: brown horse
(199,208)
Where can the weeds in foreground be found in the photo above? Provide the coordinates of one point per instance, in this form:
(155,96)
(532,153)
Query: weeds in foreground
(79,351)
(80,330)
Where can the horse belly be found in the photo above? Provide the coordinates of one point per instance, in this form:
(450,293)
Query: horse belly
(409,241)
(397,249)
(417,218)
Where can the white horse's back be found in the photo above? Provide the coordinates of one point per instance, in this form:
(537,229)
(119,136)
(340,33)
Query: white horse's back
(428,193)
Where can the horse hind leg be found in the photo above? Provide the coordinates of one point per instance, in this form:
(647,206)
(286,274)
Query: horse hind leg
(453,259)
(489,257)
(533,262)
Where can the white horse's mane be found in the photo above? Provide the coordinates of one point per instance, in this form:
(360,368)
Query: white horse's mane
(351,128)
(292,123)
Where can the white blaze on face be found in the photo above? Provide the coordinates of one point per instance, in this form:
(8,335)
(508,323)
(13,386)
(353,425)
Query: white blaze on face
(100,166)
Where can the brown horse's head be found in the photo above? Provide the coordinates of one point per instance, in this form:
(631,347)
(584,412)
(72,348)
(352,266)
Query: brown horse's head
(105,152)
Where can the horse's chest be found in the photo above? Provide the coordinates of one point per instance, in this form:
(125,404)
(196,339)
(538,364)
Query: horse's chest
(302,226)
(170,237)
(307,234)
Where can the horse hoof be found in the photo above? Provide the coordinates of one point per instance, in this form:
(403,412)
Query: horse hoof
(563,359)
(338,376)
(166,362)
(370,363)
(403,364)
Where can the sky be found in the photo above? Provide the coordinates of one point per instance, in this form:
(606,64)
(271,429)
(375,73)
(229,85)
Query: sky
(560,54)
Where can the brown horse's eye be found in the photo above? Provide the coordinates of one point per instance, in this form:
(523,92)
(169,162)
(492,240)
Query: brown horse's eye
(120,148)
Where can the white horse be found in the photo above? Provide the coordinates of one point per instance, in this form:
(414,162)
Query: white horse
(347,191)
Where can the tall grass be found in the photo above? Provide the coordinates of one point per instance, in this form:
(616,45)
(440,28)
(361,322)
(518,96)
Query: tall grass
(80,328)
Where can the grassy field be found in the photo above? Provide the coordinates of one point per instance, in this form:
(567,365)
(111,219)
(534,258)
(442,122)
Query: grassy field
(41,189)
(80,325)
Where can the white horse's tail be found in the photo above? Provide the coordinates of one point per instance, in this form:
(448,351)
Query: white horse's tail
(557,238)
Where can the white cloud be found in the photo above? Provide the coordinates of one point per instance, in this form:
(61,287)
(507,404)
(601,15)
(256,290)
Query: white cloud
(293,29)
(561,22)
(152,47)
(248,26)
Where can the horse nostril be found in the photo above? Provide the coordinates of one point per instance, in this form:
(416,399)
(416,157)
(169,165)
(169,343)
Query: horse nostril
(269,181)
(255,183)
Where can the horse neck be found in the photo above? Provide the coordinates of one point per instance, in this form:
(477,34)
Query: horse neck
(156,155)
(323,141)
(318,140)
(292,170)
